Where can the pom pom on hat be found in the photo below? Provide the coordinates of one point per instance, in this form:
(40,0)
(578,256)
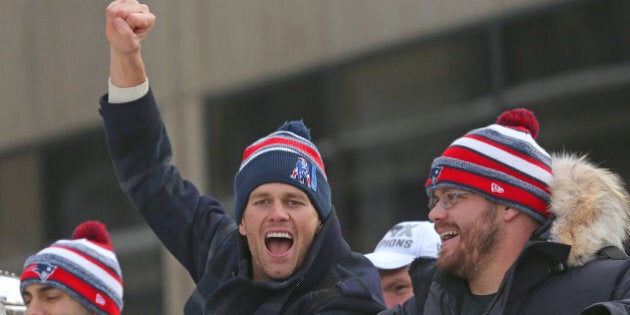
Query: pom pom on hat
(297,127)
(520,118)
(285,156)
(84,267)
(94,231)
(501,162)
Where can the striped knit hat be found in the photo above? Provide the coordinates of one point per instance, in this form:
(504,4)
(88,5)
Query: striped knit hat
(84,267)
(501,162)
(285,156)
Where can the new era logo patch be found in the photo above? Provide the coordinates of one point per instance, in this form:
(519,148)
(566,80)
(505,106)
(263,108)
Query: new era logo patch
(495,188)
(99,299)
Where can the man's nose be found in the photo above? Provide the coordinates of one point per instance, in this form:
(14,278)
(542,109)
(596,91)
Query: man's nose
(437,213)
(34,309)
(278,212)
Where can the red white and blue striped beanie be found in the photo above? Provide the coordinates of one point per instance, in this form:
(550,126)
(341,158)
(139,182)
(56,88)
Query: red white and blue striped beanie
(285,156)
(84,267)
(501,162)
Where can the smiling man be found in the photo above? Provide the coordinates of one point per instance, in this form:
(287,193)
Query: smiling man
(524,232)
(282,253)
(279,239)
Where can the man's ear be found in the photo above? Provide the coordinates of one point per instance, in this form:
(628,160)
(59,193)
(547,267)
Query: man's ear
(510,213)
(241,228)
(319,226)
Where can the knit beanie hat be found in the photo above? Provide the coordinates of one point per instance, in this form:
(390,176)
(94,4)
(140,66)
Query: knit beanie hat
(285,156)
(84,267)
(501,162)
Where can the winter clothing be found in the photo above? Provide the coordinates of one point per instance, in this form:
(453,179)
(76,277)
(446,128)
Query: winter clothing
(84,267)
(574,264)
(205,239)
(501,162)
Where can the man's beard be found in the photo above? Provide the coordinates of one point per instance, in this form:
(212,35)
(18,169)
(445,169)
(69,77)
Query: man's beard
(476,246)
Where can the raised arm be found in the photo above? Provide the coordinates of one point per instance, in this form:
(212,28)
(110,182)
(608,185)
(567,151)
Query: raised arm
(128,23)
(185,221)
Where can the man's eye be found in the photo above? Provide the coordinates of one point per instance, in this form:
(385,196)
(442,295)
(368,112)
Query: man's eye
(401,288)
(52,297)
(261,202)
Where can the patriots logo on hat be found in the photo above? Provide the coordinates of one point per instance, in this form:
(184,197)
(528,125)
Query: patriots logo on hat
(305,173)
(44,270)
(435,173)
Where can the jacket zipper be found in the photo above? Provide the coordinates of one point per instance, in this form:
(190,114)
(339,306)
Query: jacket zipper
(496,297)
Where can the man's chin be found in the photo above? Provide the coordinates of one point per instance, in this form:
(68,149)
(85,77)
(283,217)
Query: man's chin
(446,262)
(279,277)
(279,273)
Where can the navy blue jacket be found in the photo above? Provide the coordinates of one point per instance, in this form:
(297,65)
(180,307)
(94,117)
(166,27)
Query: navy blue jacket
(205,239)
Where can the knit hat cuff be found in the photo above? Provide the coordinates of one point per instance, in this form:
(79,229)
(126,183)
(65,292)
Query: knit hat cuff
(489,183)
(87,294)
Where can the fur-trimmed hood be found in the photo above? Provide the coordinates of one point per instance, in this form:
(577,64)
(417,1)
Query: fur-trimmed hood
(590,205)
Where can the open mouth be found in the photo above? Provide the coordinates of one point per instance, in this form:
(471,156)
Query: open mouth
(445,236)
(278,243)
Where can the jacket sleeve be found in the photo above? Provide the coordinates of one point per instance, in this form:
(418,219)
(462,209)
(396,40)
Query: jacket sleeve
(409,307)
(609,308)
(187,223)
(620,305)
(357,294)
(341,300)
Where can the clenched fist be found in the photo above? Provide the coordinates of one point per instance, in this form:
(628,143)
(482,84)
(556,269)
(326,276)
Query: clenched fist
(128,23)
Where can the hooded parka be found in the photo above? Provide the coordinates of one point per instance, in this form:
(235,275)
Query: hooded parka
(574,264)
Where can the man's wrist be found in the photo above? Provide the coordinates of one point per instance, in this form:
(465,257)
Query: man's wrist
(117,95)
(126,69)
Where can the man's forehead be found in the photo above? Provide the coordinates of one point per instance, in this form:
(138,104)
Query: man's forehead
(444,189)
(277,188)
(38,287)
